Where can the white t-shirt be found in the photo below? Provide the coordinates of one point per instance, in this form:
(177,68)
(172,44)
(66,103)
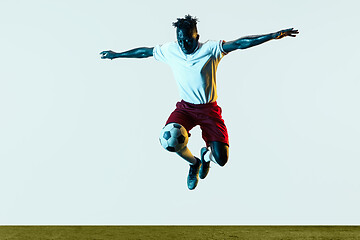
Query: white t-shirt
(195,73)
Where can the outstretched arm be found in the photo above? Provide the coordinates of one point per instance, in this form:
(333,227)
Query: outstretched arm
(142,52)
(250,41)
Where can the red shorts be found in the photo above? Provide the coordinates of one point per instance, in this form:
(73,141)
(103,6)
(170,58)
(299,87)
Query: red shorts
(208,116)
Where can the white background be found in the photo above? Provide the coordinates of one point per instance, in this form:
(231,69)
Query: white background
(79,135)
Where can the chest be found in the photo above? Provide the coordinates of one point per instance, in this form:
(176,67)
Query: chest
(194,64)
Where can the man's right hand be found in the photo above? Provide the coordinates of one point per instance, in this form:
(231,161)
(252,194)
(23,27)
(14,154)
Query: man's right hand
(107,55)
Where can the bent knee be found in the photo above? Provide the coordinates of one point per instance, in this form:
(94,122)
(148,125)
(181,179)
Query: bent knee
(220,152)
(222,160)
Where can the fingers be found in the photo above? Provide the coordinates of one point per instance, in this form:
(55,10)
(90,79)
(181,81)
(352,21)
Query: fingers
(289,32)
(293,33)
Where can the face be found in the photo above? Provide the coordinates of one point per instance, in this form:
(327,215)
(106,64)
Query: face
(187,40)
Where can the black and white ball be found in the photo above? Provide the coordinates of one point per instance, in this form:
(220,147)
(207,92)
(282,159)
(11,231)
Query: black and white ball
(173,137)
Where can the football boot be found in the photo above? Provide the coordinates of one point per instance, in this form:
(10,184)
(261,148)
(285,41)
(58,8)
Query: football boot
(193,179)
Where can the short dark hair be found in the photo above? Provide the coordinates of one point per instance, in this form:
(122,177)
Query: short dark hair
(187,23)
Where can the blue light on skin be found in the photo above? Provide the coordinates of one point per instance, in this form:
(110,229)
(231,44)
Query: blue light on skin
(187,39)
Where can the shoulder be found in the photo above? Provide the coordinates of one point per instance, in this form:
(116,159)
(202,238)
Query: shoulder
(167,45)
(215,46)
(167,48)
(165,52)
(210,43)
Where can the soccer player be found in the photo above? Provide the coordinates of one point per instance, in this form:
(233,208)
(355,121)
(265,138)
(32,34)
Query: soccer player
(194,66)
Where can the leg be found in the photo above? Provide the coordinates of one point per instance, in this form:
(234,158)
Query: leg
(187,155)
(184,118)
(220,152)
(214,133)
(194,162)
(192,179)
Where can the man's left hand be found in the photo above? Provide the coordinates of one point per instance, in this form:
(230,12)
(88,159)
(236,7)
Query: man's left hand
(286,32)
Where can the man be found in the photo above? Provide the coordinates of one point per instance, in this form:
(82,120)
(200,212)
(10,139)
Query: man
(194,65)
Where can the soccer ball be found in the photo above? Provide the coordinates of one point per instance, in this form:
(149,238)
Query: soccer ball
(173,137)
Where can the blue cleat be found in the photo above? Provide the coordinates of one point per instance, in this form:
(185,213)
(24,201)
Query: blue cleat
(193,179)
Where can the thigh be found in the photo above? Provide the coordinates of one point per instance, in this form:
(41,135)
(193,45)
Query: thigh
(183,118)
(212,125)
